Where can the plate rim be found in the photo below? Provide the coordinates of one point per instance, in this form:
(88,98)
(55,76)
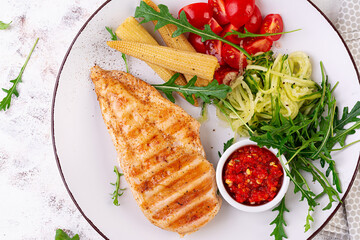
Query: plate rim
(53,125)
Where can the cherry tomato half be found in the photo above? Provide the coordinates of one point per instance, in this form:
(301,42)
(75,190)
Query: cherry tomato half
(218,7)
(214,47)
(239,11)
(196,42)
(233,57)
(198,14)
(215,26)
(232,38)
(225,74)
(257,44)
(272,23)
(254,23)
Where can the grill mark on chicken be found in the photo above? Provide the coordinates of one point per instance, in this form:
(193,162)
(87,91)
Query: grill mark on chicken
(159,151)
(195,213)
(166,190)
(166,172)
(183,201)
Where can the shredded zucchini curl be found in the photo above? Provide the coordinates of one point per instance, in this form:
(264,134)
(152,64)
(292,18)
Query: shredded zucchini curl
(265,83)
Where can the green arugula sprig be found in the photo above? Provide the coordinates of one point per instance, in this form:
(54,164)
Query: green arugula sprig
(249,34)
(164,17)
(310,138)
(211,91)
(226,146)
(61,235)
(118,192)
(4,26)
(279,221)
(6,101)
(115,38)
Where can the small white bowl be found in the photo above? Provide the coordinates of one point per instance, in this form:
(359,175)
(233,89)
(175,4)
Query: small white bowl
(233,202)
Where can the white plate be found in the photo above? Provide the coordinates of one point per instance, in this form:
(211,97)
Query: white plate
(86,156)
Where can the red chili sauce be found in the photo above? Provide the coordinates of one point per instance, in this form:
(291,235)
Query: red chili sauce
(253,175)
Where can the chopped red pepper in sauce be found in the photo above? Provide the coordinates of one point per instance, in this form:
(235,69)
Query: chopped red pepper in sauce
(253,175)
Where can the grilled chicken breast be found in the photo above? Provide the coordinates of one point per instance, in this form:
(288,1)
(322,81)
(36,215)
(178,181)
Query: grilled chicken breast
(159,151)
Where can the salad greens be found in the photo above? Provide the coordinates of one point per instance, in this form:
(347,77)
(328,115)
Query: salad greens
(61,235)
(249,34)
(164,17)
(211,91)
(4,26)
(279,232)
(310,138)
(118,192)
(226,146)
(6,101)
(115,38)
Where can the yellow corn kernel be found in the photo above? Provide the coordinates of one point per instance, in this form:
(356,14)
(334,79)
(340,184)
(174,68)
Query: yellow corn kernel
(180,42)
(131,30)
(199,64)
(248,171)
(228,182)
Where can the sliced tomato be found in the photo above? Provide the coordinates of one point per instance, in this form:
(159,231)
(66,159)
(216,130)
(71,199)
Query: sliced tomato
(196,42)
(232,38)
(239,11)
(225,75)
(219,13)
(254,23)
(233,57)
(198,14)
(214,47)
(272,23)
(257,44)
(215,26)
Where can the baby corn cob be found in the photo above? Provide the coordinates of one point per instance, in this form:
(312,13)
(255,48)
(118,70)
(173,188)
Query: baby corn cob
(131,30)
(202,65)
(179,42)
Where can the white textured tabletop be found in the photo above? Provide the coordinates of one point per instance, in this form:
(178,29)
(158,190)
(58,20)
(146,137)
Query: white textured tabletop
(33,199)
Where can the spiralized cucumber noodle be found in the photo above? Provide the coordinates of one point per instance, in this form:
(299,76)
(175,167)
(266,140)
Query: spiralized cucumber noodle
(266,82)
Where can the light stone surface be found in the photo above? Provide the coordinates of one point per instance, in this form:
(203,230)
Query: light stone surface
(33,199)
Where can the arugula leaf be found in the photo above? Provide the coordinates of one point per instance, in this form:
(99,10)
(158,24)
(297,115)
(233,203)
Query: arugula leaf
(113,35)
(6,101)
(279,232)
(227,145)
(118,192)
(309,219)
(211,91)
(61,235)
(4,26)
(309,138)
(115,38)
(347,117)
(249,34)
(164,17)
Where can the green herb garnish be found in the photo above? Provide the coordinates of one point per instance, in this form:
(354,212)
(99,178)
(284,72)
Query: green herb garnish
(309,138)
(164,17)
(118,192)
(4,26)
(115,38)
(279,221)
(211,91)
(227,145)
(249,34)
(6,101)
(61,235)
